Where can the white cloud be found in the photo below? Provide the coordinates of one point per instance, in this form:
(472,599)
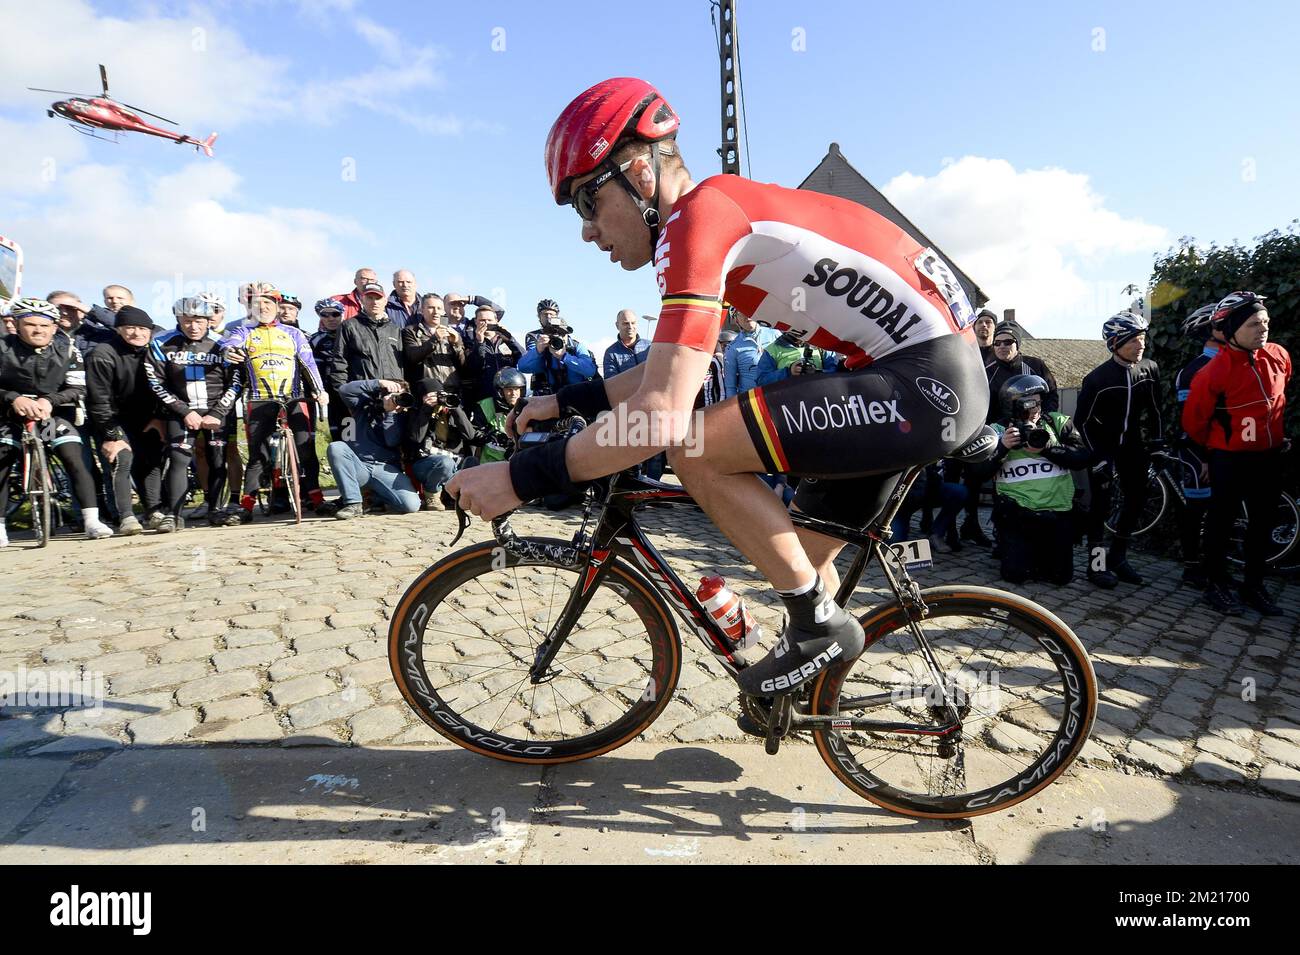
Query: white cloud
(199,72)
(191,69)
(157,235)
(33,157)
(1035,240)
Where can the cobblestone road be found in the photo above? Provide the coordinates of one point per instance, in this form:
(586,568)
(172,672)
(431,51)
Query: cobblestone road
(274,634)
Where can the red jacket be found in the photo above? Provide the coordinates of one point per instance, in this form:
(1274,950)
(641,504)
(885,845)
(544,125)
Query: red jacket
(1236,401)
(351,303)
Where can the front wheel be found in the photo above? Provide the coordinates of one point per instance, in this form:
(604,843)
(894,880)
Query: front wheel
(1018,679)
(465,635)
(40,492)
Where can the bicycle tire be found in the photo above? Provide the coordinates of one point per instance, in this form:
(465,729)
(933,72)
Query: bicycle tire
(1077,709)
(40,492)
(289,474)
(1151,515)
(426,682)
(1282,535)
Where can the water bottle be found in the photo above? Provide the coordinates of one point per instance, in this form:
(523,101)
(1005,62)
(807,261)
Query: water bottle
(729,611)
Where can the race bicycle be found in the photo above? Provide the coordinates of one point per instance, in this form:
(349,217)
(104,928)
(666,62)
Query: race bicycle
(38,485)
(966,700)
(282,463)
(1164,494)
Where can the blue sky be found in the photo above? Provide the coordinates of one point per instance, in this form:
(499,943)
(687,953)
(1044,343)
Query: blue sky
(1048,159)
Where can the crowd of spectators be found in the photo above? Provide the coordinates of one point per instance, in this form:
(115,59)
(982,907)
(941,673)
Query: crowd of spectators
(413,386)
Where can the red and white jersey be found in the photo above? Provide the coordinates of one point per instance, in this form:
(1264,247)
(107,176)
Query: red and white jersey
(840,276)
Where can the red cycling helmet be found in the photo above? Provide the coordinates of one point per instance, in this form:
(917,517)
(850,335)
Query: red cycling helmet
(590,128)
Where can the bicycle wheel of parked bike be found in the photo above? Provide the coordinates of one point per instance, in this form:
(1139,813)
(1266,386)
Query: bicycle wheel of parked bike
(1157,502)
(290,475)
(1281,534)
(1024,690)
(467,630)
(40,492)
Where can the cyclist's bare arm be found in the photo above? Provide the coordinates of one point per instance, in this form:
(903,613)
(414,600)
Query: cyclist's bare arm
(661,395)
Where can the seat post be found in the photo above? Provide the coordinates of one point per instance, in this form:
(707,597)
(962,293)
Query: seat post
(880,527)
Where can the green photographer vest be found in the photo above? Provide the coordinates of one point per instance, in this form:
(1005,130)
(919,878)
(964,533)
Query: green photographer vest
(1030,479)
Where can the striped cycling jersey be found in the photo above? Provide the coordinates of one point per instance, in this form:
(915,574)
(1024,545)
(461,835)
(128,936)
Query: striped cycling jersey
(838,275)
(278,357)
(188,375)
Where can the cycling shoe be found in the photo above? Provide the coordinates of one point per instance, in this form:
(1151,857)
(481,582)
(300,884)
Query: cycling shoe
(799,656)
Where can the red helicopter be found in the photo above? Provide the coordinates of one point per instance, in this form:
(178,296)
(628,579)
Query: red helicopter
(86,114)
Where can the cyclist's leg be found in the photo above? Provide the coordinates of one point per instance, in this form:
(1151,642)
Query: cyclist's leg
(10,451)
(1225,505)
(849,501)
(120,474)
(260,422)
(234,463)
(884,421)
(1262,483)
(147,451)
(180,451)
(1101,479)
(1196,498)
(66,445)
(301,421)
(214,456)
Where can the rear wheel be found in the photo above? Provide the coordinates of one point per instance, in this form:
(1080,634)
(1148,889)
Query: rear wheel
(1020,681)
(1281,535)
(1153,508)
(466,632)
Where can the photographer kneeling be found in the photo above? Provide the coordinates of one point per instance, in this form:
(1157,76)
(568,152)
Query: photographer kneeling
(371,455)
(1034,492)
(441,434)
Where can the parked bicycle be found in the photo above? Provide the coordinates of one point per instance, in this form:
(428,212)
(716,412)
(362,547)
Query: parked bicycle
(282,463)
(966,700)
(1165,494)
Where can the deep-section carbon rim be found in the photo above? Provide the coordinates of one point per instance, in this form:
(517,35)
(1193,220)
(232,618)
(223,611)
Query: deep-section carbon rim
(465,634)
(1025,684)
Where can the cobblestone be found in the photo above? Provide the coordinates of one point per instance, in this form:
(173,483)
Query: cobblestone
(300,633)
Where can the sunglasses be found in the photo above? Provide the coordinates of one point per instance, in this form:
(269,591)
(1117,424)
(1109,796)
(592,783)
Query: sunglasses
(1005,343)
(584,197)
(331,314)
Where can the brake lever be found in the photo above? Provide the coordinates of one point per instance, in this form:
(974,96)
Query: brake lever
(465,520)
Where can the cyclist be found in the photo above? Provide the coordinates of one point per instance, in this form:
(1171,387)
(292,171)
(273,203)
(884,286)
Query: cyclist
(42,379)
(198,389)
(1195,459)
(278,364)
(845,278)
(1235,408)
(1118,415)
(322,341)
(290,306)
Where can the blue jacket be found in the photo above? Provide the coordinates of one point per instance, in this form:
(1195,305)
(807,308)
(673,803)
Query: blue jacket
(397,313)
(740,366)
(577,365)
(619,358)
(377,434)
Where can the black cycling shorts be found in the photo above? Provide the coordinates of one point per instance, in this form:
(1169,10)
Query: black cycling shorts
(909,408)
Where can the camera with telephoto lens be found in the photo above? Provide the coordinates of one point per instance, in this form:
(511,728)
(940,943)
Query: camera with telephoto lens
(448,399)
(1032,437)
(806,364)
(404,400)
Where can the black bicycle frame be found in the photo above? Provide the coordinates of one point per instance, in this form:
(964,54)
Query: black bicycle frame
(618,534)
